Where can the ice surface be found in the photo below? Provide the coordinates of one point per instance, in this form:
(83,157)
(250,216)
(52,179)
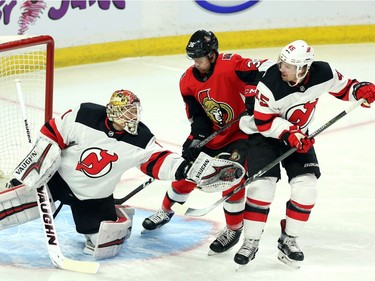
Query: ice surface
(338,241)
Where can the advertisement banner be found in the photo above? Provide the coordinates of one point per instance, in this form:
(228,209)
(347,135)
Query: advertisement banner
(75,23)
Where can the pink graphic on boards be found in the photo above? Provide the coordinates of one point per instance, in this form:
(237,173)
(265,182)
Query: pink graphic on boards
(31,11)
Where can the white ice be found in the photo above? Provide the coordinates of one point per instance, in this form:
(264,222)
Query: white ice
(338,241)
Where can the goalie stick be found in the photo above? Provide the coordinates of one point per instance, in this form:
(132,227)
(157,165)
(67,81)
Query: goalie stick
(57,258)
(203,211)
(46,214)
(119,201)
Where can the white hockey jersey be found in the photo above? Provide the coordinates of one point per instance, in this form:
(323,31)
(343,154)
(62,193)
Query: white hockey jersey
(94,156)
(279,106)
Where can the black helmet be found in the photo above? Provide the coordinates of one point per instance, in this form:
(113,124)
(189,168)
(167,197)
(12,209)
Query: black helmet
(201,44)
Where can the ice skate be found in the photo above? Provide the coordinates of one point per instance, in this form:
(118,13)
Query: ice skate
(246,253)
(156,220)
(290,254)
(225,241)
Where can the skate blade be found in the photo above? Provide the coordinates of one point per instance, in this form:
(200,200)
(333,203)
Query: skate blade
(285,260)
(145,231)
(212,253)
(240,267)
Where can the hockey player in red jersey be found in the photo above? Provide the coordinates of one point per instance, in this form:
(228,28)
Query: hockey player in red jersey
(82,156)
(285,103)
(214,89)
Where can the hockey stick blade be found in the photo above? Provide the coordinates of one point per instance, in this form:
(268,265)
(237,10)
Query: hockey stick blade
(79,266)
(203,211)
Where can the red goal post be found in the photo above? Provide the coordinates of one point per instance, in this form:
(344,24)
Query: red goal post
(26,66)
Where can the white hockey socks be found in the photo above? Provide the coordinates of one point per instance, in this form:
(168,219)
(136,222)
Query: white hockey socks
(108,241)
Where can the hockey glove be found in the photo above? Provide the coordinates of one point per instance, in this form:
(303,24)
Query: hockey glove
(250,93)
(295,138)
(182,170)
(189,150)
(364,90)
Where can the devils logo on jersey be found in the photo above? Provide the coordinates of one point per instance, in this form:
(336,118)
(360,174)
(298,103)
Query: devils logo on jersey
(301,115)
(219,113)
(96,162)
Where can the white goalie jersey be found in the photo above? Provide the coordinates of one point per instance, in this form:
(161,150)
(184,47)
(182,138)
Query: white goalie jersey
(94,156)
(90,157)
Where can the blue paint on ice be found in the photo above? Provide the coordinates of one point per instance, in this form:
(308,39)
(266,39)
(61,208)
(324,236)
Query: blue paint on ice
(25,246)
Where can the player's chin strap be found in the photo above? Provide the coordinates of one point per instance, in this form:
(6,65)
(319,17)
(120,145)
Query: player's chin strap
(202,143)
(204,211)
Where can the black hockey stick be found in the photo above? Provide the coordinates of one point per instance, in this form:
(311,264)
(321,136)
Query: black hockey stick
(119,201)
(214,134)
(58,209)
(204,211)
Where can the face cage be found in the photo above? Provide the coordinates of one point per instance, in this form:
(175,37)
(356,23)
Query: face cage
(127,115)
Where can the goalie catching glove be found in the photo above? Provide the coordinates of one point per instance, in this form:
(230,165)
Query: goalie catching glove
(211,174)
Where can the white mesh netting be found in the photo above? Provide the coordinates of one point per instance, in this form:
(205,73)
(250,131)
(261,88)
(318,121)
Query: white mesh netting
(28,65)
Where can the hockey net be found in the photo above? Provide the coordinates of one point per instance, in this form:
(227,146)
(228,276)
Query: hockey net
(26,63)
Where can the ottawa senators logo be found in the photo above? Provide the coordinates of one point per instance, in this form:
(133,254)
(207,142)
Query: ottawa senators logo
(220,113)
(96,162)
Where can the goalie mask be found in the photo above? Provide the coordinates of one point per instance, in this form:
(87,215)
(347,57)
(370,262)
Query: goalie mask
(124,109)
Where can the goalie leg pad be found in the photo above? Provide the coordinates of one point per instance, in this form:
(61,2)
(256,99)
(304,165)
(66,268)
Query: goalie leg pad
(215,174)
(40,164)
(18,205)
(108,241)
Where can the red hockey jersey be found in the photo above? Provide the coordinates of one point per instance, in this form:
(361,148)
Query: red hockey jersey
(221,97)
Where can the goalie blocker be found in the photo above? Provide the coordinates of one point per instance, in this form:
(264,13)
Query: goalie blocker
(18,204)
(40,163)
